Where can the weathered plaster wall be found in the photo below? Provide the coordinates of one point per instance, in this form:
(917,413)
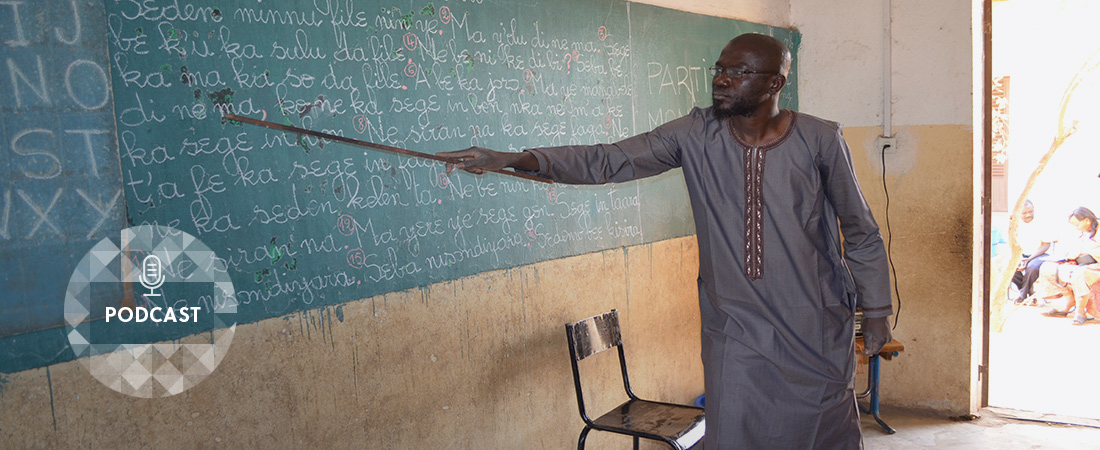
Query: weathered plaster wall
(930,225)
(929,177)
(772,13)
(480,362)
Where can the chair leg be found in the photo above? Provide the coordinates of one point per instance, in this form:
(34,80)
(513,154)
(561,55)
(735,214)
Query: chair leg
(584,435)
(873,369)
(635,442)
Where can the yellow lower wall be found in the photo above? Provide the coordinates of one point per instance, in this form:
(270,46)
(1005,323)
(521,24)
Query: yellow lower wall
(480,362)
(929,180)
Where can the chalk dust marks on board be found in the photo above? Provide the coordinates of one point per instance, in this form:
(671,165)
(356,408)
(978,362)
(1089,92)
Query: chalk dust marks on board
(223,102)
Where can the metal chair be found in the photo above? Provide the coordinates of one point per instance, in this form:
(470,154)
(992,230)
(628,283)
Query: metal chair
(679,426)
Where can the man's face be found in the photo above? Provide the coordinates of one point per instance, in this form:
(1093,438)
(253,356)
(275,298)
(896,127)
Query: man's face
(741,96)
(1028,214)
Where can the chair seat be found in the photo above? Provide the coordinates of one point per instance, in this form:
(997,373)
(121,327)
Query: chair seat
(679,426)
(683,424)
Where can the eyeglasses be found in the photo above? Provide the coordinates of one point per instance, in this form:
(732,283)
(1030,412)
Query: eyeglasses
(715,71)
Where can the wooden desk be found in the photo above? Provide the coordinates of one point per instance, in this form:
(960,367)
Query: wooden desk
(889,351)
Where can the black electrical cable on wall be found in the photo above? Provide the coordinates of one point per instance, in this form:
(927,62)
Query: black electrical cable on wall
(890,238)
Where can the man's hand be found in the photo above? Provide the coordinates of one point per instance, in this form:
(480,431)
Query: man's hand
(480,160)
(876,333)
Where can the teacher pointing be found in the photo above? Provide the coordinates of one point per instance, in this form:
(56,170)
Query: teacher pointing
(772,192)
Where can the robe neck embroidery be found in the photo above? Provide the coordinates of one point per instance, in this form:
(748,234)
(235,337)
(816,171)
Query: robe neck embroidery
(754,196)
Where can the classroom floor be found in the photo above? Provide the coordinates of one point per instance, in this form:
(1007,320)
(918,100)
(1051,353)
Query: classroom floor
(919,430)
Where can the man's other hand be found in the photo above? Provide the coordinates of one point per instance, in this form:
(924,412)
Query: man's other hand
(876,333)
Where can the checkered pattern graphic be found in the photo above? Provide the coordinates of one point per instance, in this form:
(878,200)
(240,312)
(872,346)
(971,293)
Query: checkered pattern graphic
(150,370)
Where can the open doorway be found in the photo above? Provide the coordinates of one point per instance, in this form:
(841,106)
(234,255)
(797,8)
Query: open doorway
(1046,148)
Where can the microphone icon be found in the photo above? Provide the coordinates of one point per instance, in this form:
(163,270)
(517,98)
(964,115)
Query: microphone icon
(152,274)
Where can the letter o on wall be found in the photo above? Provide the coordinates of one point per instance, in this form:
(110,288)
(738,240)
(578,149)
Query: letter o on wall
(87,83)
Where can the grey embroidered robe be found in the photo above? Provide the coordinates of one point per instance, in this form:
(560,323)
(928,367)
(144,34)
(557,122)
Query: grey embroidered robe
(778,351)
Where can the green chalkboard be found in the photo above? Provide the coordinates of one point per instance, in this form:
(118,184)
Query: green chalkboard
(60,183)
(303,223)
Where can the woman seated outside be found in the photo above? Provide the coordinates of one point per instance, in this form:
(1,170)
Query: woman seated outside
(1086,288)
(1071,277)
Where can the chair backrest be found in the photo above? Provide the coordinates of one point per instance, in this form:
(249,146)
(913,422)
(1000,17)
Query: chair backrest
(589,337)
(594,334)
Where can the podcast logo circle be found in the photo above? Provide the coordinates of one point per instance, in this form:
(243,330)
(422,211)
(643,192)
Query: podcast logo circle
(151,310)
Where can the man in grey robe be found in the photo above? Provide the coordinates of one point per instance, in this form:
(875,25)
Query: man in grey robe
(771,192)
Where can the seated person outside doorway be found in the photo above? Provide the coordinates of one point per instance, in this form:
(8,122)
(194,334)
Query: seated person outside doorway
(1034,238)
(1066,277)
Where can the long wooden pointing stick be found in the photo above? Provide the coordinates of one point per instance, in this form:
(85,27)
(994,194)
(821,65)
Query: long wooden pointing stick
(347,140)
